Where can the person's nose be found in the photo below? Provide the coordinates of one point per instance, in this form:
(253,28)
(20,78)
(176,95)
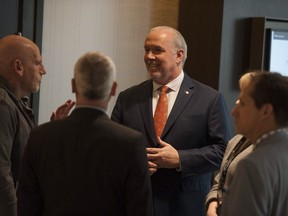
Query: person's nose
(150,55)
(234,110)
(43,70)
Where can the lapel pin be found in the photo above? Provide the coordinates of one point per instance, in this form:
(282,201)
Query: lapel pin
(187,92)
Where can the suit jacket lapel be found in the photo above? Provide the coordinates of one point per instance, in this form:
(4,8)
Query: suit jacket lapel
(183,97)
(145,105)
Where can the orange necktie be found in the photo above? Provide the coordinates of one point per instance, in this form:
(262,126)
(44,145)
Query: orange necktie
(161,111)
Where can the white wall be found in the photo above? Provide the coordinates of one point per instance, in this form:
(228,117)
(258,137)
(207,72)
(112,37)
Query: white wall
(115,27)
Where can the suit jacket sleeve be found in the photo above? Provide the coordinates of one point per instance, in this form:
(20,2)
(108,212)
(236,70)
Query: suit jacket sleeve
(7,189)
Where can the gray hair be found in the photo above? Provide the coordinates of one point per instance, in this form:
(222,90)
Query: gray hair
(94,74)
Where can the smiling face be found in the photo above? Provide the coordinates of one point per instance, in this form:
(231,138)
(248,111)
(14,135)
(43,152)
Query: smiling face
(162,59)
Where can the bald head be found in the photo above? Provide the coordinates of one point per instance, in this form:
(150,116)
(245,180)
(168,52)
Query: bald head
(21,64)
(14,47)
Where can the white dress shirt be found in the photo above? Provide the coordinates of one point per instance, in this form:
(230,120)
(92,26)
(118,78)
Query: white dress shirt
(174,87)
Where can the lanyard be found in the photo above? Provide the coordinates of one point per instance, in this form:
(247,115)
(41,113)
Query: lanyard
(241,146)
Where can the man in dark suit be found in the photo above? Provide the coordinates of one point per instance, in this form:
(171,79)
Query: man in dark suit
(182,159)
(86,164)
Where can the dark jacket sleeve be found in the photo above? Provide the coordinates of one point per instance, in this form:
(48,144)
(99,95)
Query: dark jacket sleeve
(7,188)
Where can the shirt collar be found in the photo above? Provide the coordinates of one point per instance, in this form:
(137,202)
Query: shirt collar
(92,107)
(270,133)
(174,85)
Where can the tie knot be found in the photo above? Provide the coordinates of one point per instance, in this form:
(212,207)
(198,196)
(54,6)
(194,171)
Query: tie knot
(164,89)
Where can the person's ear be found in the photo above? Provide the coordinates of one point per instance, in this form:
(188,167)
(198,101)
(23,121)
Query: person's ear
(267,110)
(73,85)
(18,67)
(180,56)
(113,89)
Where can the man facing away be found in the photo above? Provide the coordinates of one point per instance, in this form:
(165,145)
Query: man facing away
(86,164)
(260,184)
(191,145)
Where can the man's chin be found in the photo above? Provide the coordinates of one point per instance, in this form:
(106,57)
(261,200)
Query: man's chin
(154,73)
(155,76)
(36,89)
